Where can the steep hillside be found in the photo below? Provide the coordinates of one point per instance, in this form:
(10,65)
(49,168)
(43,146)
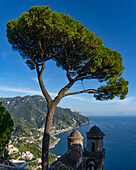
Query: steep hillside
(31,111)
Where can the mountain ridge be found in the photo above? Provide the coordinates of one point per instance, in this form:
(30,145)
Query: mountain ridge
(32,110)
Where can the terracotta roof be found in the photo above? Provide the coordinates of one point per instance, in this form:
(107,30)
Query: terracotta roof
(95,131)
(70,158)
(75,134)
(9,149)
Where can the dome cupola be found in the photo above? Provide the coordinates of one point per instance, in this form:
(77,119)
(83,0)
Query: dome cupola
(75,141)
(75,135)
(95,132)
(95,139)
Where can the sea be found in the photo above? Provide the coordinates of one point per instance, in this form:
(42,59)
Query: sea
(119,140)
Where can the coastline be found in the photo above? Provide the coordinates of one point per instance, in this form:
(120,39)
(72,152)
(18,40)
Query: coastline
(55,143)
(62,131)
(70,128)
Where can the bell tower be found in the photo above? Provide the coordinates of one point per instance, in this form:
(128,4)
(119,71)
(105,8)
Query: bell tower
(94,154)
(75,141)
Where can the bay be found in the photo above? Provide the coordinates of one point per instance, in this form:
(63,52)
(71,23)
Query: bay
(119,142)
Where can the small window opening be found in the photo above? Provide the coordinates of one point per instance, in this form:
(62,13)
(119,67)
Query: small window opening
(93,147)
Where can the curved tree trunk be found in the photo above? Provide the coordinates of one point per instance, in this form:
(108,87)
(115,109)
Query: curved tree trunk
(46,137)
(51,108)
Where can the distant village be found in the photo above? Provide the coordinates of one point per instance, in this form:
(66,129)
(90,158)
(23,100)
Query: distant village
(26,159)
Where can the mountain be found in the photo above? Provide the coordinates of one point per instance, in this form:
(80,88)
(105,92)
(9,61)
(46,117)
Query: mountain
(31,111)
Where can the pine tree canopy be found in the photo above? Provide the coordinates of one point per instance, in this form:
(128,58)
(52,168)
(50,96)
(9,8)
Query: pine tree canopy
(41,35)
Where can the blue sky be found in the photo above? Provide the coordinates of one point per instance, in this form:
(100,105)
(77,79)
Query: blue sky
(112,21)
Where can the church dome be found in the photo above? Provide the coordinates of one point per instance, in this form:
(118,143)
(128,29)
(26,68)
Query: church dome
(95,131)
(75,135)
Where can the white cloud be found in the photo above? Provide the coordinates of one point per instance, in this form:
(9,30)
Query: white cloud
(81,99)
(127,101)
(19,90)
(23,90)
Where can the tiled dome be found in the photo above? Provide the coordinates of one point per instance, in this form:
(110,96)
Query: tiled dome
(75,134)
(95,131)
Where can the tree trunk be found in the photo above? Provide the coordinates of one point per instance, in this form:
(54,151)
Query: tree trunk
(46,137)
(51,108)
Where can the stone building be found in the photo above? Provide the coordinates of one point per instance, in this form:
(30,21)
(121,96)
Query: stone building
(75,141)
(91,158)
(94,154)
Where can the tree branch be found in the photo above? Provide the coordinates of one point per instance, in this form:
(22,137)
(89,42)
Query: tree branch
(90,91)
(47,59)
(40,45)
(61,93)
(68,74)
(82,77)
(47,45)
(53,55)
(44,91)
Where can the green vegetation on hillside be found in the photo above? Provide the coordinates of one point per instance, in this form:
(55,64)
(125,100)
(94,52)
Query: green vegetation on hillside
(30,112)
(6,127)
